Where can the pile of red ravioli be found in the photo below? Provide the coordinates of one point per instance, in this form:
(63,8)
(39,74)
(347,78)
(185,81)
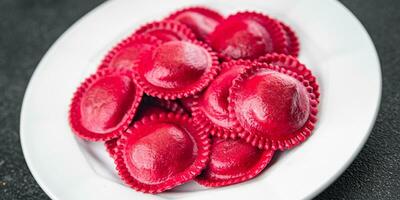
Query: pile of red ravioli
(198,96)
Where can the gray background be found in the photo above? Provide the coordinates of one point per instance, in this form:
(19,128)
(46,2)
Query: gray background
(29,27)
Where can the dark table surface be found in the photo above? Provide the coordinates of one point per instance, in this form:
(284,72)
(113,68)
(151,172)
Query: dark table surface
(29,27)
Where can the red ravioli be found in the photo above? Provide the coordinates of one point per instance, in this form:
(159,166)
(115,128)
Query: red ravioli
(211,110)
(126,54)
(233,161)
(272,107)
(104,105)
(177,69)
(294,65)
(161,152)
(293,45)
(167,31)
(248,35)
(201,20)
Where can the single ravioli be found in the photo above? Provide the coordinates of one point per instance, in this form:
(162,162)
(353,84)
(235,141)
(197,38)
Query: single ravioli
(272,107)
(160,152)
(248,35)
(104,105)
(177,69)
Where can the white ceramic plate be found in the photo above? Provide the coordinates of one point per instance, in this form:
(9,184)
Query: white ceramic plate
(333,44)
